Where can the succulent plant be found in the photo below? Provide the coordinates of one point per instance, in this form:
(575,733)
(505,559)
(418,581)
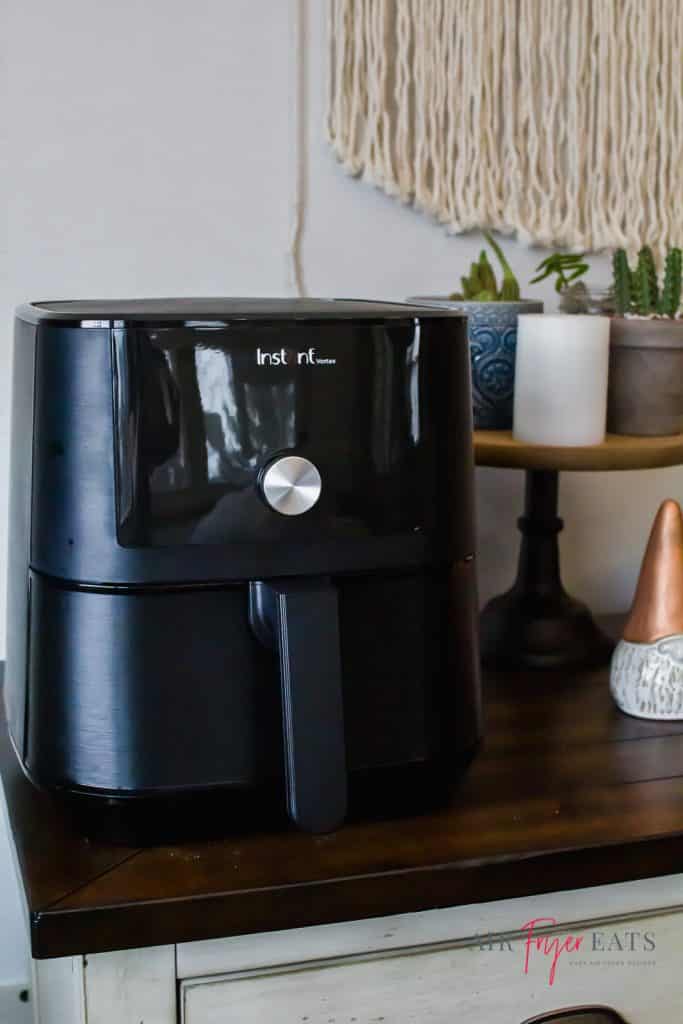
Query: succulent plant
(487,276)
(568,266)
(623,285)
(471,286)
(636,290)
(509,289)
(646,293)
(670,299)
(481,284)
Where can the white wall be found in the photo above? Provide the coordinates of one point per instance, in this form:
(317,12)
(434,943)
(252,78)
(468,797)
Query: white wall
(147,150)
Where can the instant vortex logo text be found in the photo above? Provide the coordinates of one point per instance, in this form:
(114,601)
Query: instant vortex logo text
(287,357)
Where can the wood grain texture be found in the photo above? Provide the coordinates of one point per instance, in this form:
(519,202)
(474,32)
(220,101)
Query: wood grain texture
(499,448)
(566,793)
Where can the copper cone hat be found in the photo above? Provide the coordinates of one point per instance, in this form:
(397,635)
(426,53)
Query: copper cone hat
(658,603)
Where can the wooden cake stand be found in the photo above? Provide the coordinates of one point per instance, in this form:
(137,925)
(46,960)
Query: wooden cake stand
(537,624)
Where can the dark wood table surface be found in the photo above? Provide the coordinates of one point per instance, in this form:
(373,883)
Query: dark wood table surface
(567,792)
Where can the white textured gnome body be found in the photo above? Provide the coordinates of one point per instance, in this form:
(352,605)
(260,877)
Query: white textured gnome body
(646,677)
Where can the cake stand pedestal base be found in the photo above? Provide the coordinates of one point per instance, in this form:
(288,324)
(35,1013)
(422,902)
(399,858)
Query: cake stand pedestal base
(536,624)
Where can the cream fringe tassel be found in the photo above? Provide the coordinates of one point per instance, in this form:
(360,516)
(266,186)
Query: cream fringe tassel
(559,120)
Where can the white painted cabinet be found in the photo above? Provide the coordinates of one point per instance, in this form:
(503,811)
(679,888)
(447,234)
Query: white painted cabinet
(442,986)
(618,945)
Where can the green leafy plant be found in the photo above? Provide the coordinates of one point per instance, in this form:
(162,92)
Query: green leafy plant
(636,290)
(568,266)
(481,285)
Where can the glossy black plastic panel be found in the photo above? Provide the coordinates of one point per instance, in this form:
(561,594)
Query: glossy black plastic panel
(221,310)
(171,494)
(201,412)
(300,618)
(162,692)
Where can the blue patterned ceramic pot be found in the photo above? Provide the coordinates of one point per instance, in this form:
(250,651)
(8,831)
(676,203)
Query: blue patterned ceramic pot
(492,332)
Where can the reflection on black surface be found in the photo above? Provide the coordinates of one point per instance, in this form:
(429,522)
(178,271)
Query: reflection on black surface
(200,412)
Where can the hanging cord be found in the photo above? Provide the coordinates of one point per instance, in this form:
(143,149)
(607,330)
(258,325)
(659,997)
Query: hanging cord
(298,163)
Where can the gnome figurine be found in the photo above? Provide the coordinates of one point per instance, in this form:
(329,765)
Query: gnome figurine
(646,677)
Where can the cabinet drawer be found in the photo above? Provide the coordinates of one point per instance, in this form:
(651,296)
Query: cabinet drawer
(630,964)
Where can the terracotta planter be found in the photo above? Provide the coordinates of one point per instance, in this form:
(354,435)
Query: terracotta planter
(645,395)
(492,333)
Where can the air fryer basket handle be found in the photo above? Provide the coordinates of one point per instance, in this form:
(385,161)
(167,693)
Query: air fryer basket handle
(303,616)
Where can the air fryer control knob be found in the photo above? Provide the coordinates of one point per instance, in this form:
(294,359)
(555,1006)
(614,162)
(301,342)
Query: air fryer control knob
(291,485)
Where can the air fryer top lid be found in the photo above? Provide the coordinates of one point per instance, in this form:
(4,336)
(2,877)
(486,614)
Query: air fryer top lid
(97,312)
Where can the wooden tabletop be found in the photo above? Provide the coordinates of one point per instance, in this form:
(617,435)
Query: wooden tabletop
(568,792)
(499,448)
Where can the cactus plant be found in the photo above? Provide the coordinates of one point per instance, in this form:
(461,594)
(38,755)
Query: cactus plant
(636,290)
(646,292)
(481,284)
(643,299)
(670,298)
(622,282)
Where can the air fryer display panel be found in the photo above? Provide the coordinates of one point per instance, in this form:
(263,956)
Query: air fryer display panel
(202,411)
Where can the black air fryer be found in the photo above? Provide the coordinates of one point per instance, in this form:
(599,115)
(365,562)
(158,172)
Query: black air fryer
(242,552)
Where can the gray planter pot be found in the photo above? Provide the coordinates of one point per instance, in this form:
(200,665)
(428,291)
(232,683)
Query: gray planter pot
(645,393)
(492,333)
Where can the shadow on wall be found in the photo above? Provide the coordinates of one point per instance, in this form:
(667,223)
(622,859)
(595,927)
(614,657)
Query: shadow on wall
(500,498)
(602,513)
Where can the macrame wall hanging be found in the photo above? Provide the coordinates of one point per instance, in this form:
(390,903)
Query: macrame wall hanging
(558,120)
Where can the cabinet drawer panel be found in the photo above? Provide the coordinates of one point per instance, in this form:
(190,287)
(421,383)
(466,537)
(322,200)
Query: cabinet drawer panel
(630,964)
(453,925)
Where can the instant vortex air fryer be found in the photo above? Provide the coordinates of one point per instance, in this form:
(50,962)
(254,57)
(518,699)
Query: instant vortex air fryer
(242,551)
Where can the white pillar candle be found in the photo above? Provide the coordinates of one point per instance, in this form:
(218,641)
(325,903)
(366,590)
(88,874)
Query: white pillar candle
(561,379)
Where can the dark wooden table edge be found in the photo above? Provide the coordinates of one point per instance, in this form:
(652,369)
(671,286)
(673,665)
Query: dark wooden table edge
(60,931)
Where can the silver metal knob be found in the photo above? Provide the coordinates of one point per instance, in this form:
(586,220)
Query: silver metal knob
(291,485)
